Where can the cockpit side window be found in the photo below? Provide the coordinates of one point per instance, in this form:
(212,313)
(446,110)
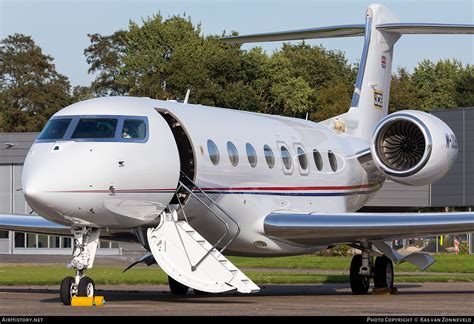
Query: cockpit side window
(133,128)
(55,129)
(95,128)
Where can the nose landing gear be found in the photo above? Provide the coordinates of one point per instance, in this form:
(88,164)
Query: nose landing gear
(85,247)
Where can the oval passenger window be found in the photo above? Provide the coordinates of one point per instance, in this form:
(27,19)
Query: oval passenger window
(318,160)
(286,157)
(269,157)
(332,161)
(302,158)
(233,153)
(251,155)
(213,152)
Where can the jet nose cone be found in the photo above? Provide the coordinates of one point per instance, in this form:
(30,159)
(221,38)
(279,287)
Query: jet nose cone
(34,181)
(32,193)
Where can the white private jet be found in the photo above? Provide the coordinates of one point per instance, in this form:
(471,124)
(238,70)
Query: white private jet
(189,181)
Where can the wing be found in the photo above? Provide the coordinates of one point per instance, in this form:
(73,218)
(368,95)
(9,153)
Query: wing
(327,229)
(32,224)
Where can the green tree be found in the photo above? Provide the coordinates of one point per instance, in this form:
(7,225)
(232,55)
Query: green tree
(105,56)
(403,93)
(31,89)
(435,84)
(465,87)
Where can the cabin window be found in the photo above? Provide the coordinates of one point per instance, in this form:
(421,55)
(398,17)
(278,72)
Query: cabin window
(213,152)
(302,158)
(133,128)
(286,157)
(233,154)
(55,129)
(95,128)
(251,155)
(318,160)
(332,161)
(269,157)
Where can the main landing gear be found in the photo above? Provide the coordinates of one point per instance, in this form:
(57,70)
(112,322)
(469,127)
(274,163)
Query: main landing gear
(363,269)
(86,240)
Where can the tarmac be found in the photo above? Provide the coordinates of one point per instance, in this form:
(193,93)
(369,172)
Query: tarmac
(420,299)
(427,299)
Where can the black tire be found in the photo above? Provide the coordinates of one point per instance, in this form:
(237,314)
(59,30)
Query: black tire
(200,292)
(383,272)
(177,288)
(359,284)
(65,291)
(86,287)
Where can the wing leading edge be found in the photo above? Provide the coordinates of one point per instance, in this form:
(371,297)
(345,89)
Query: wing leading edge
(32,224)
(326,229)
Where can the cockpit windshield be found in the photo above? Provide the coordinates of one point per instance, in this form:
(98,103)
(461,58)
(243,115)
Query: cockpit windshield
(95,128)
(55,129)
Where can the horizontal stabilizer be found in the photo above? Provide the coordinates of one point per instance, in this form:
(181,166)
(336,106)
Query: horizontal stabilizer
(350,31)
(426,28)
(323,32)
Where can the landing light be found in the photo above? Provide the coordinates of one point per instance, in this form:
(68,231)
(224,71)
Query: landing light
(260,244)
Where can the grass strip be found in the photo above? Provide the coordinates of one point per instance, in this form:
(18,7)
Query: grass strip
(444,263)
(51,275)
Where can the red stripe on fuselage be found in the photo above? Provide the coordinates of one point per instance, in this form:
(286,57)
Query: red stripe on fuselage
(319,188)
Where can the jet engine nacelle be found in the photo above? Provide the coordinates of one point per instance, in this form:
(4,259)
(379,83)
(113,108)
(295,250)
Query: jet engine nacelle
(413,147)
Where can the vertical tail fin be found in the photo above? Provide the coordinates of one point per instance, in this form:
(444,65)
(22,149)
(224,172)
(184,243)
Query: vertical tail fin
(371,95)
(372,89)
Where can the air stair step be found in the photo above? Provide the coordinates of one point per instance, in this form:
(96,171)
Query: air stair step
(177,248)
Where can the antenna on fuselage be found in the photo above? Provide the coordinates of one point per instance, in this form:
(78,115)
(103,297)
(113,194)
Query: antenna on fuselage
(187,96)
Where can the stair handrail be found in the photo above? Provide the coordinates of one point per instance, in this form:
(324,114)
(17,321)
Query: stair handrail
(214,203)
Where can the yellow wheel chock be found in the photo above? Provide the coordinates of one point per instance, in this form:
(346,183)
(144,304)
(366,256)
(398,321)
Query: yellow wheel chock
(384,291)
(87,301)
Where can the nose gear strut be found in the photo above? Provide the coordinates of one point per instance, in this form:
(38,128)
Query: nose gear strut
(86,240)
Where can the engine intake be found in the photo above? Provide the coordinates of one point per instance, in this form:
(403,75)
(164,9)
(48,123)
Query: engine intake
(413,147)
(402,145)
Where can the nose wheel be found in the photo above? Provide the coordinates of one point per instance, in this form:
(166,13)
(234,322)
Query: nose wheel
(86,287)
(67,290)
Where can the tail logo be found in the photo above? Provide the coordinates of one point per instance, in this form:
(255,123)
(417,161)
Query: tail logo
(378,99)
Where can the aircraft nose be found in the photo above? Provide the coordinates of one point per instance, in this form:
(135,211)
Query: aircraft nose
(33,195)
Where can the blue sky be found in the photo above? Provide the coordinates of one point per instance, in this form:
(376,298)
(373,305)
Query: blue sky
(61,27)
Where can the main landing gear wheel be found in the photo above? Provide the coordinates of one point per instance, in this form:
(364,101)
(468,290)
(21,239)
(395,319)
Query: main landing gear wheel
(67,290)
(359,283)
(86,287)
(383,272)
(177,288)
